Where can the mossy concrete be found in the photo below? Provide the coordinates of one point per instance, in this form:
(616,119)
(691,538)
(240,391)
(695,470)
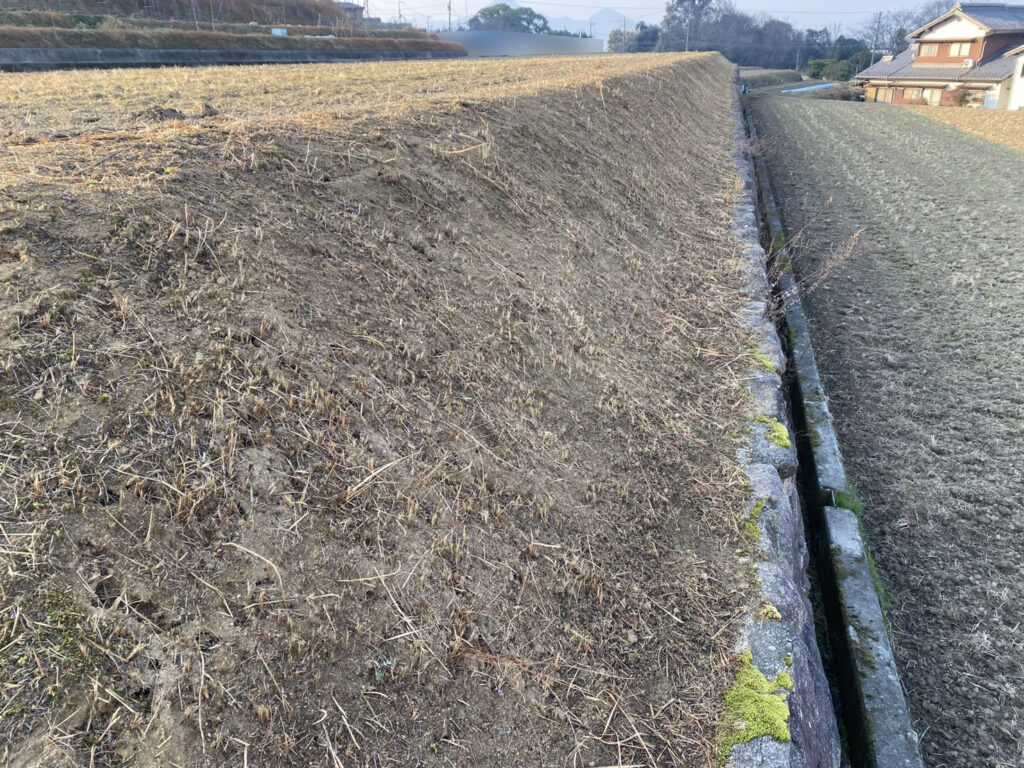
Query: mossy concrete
(888,740)
(754,707)
(780,665)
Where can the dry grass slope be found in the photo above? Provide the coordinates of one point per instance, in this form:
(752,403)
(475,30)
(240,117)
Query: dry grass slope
(242,11)
(1000,126)
(49,20)
(28,37)
(387,417)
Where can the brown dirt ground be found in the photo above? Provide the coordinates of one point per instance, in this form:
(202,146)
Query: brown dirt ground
(386,417)
(1001,126)
(918,331)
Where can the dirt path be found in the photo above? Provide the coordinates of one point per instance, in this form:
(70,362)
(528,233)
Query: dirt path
(919,337)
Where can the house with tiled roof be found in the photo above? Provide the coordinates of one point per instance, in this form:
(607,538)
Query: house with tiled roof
(971,56)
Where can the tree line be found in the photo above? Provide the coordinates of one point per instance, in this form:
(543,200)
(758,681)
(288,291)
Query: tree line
(744,38)
(763,41)
(505,18)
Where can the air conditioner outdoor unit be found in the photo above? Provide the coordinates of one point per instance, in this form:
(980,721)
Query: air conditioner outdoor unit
(968,63)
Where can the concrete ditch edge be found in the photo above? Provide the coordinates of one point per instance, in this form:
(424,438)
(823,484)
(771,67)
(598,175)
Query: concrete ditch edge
(879,731)
(779,636)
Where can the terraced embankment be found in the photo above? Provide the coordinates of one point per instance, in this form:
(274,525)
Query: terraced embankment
(372,414)
(910,233)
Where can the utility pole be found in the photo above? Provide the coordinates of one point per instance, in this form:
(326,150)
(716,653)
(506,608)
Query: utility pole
(449,15)
(399,11)
(689,21)
(797,58)
(591,29)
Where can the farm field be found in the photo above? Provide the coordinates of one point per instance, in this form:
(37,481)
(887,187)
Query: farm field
(756,77)
(997,125)
(370,414)
(918,283)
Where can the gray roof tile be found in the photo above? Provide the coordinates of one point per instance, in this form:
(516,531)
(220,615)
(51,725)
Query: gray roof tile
(902,67)
(1000,18)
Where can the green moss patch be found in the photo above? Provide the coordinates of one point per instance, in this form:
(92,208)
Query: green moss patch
(754,707)
(752,530)
(784,680)
(777,431)
(763,360)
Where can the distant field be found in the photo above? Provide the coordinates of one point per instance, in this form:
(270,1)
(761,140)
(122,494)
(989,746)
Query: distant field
(371,415)
(1000,126)
(755,77)
(29,37)
(242,11)
(49,20)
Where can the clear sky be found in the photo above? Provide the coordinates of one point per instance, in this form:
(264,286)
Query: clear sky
(849,14)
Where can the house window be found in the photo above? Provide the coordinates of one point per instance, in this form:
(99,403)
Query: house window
(929,49)
(912,94)
(959,49)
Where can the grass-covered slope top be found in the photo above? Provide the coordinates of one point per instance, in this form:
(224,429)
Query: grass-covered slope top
(189,40)
(241,11)
(384,415)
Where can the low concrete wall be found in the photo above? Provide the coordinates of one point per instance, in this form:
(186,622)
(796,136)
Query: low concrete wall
(19,59)
(492,43)
(780,634)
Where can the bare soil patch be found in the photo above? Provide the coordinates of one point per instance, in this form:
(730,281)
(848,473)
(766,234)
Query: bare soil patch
(918,336)
(387,417)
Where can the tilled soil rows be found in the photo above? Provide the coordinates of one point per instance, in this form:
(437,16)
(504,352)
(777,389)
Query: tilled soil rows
(379,415)
(908,241)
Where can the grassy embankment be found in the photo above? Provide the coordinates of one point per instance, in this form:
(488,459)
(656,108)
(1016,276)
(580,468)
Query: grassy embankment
(52,20)
(388,415)
(25,37)
(241,11)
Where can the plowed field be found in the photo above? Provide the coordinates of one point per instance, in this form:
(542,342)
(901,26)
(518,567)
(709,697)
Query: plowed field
(912,232)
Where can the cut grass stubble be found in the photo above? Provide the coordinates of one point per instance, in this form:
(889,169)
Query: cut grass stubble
(396,423)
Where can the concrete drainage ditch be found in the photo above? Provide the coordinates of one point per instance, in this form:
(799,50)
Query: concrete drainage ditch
(799,494)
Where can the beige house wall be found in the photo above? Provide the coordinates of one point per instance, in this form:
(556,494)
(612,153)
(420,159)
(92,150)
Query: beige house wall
(954,29)
(1015,99)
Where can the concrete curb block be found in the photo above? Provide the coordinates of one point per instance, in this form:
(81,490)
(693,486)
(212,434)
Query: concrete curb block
(879,730)
(829,474)
(890,740)
(780,635)
(58,58)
